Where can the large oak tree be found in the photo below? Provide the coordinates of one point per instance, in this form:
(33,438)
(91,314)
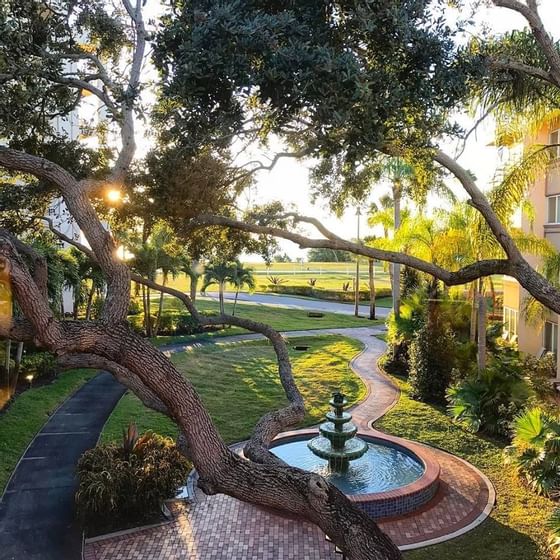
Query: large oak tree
(390,73)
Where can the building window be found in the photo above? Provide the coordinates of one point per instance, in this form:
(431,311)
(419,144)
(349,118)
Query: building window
(550,342)
(511,318)
(554,138)
(553,209)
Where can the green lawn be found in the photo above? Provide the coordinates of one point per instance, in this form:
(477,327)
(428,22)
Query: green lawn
(239,382)
(27,414)
(281,319)
(516,529)
(329,276)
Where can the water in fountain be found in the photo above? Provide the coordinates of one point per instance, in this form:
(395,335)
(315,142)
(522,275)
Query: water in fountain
(338,442)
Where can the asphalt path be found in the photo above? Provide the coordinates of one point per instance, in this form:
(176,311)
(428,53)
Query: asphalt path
(294,302)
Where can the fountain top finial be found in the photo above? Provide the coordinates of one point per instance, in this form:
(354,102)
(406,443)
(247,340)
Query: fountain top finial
(338,397)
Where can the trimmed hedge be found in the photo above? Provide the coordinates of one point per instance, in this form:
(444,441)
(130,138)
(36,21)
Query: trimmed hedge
(333,295)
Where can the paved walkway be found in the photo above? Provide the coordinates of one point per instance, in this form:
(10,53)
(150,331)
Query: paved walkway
(221,527)
(37,512)
(294,302)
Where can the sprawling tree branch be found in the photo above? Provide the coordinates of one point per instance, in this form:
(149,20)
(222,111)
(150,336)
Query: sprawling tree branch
(531,13)
(122,375)
(264,482)
(462,276)
(516,66)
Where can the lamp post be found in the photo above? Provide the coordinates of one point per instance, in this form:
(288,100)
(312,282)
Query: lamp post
(357,283)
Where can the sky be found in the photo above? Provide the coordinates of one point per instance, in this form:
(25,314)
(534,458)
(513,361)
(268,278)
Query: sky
(288,181)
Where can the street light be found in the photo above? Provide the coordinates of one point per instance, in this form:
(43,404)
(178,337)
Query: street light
(113,195)
(357,283)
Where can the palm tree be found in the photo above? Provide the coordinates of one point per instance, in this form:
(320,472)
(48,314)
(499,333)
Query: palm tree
(88,272)
(218,273)
(241,277)
(152,253)
(401,176)
(194,270)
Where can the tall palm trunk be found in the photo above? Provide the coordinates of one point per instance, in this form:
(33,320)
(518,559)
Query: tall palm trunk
(90,301)
(481,332)
(397,267)
(19,356)
(221,287)
(160,308)
(193,287)
(8,356)
(76,300)
(235,300)
(149,325)
(474,303)
(371,274)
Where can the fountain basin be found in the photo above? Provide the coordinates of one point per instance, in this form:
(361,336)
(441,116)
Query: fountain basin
(394,477)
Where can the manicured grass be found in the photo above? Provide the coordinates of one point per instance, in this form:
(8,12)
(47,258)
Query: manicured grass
(27,414)
(329,276)
(516,529)
(239,382)
(281,319)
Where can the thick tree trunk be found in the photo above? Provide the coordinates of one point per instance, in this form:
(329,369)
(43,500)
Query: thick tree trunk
(371,274)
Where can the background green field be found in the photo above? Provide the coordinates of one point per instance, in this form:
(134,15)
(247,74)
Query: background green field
(328,275)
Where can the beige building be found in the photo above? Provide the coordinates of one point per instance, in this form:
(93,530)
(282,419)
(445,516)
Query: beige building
(545,198)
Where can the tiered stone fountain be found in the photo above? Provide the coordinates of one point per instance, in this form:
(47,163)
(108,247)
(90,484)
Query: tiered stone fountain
(338,442)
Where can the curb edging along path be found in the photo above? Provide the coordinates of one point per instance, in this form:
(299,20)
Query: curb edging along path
(37,509)
(219,526)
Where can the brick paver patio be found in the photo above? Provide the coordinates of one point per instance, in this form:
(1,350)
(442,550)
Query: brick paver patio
(221,527)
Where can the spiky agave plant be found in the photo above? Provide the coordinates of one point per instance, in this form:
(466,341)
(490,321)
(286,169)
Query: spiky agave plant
(130,437)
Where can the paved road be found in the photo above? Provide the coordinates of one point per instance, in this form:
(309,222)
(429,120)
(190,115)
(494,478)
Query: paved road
(295,302)
(37,511)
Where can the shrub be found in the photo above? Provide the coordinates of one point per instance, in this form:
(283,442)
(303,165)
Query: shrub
(410,281)
(431,361)
(540,373)
(489,401)
(171,323)
(321,293)
(118,486)
(535,450)
(40,364)
(312,282)
(134,307)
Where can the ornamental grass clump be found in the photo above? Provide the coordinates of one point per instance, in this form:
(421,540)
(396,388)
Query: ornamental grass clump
(124,485)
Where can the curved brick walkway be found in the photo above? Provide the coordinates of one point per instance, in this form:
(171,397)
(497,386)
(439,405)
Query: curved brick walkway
(221,527)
